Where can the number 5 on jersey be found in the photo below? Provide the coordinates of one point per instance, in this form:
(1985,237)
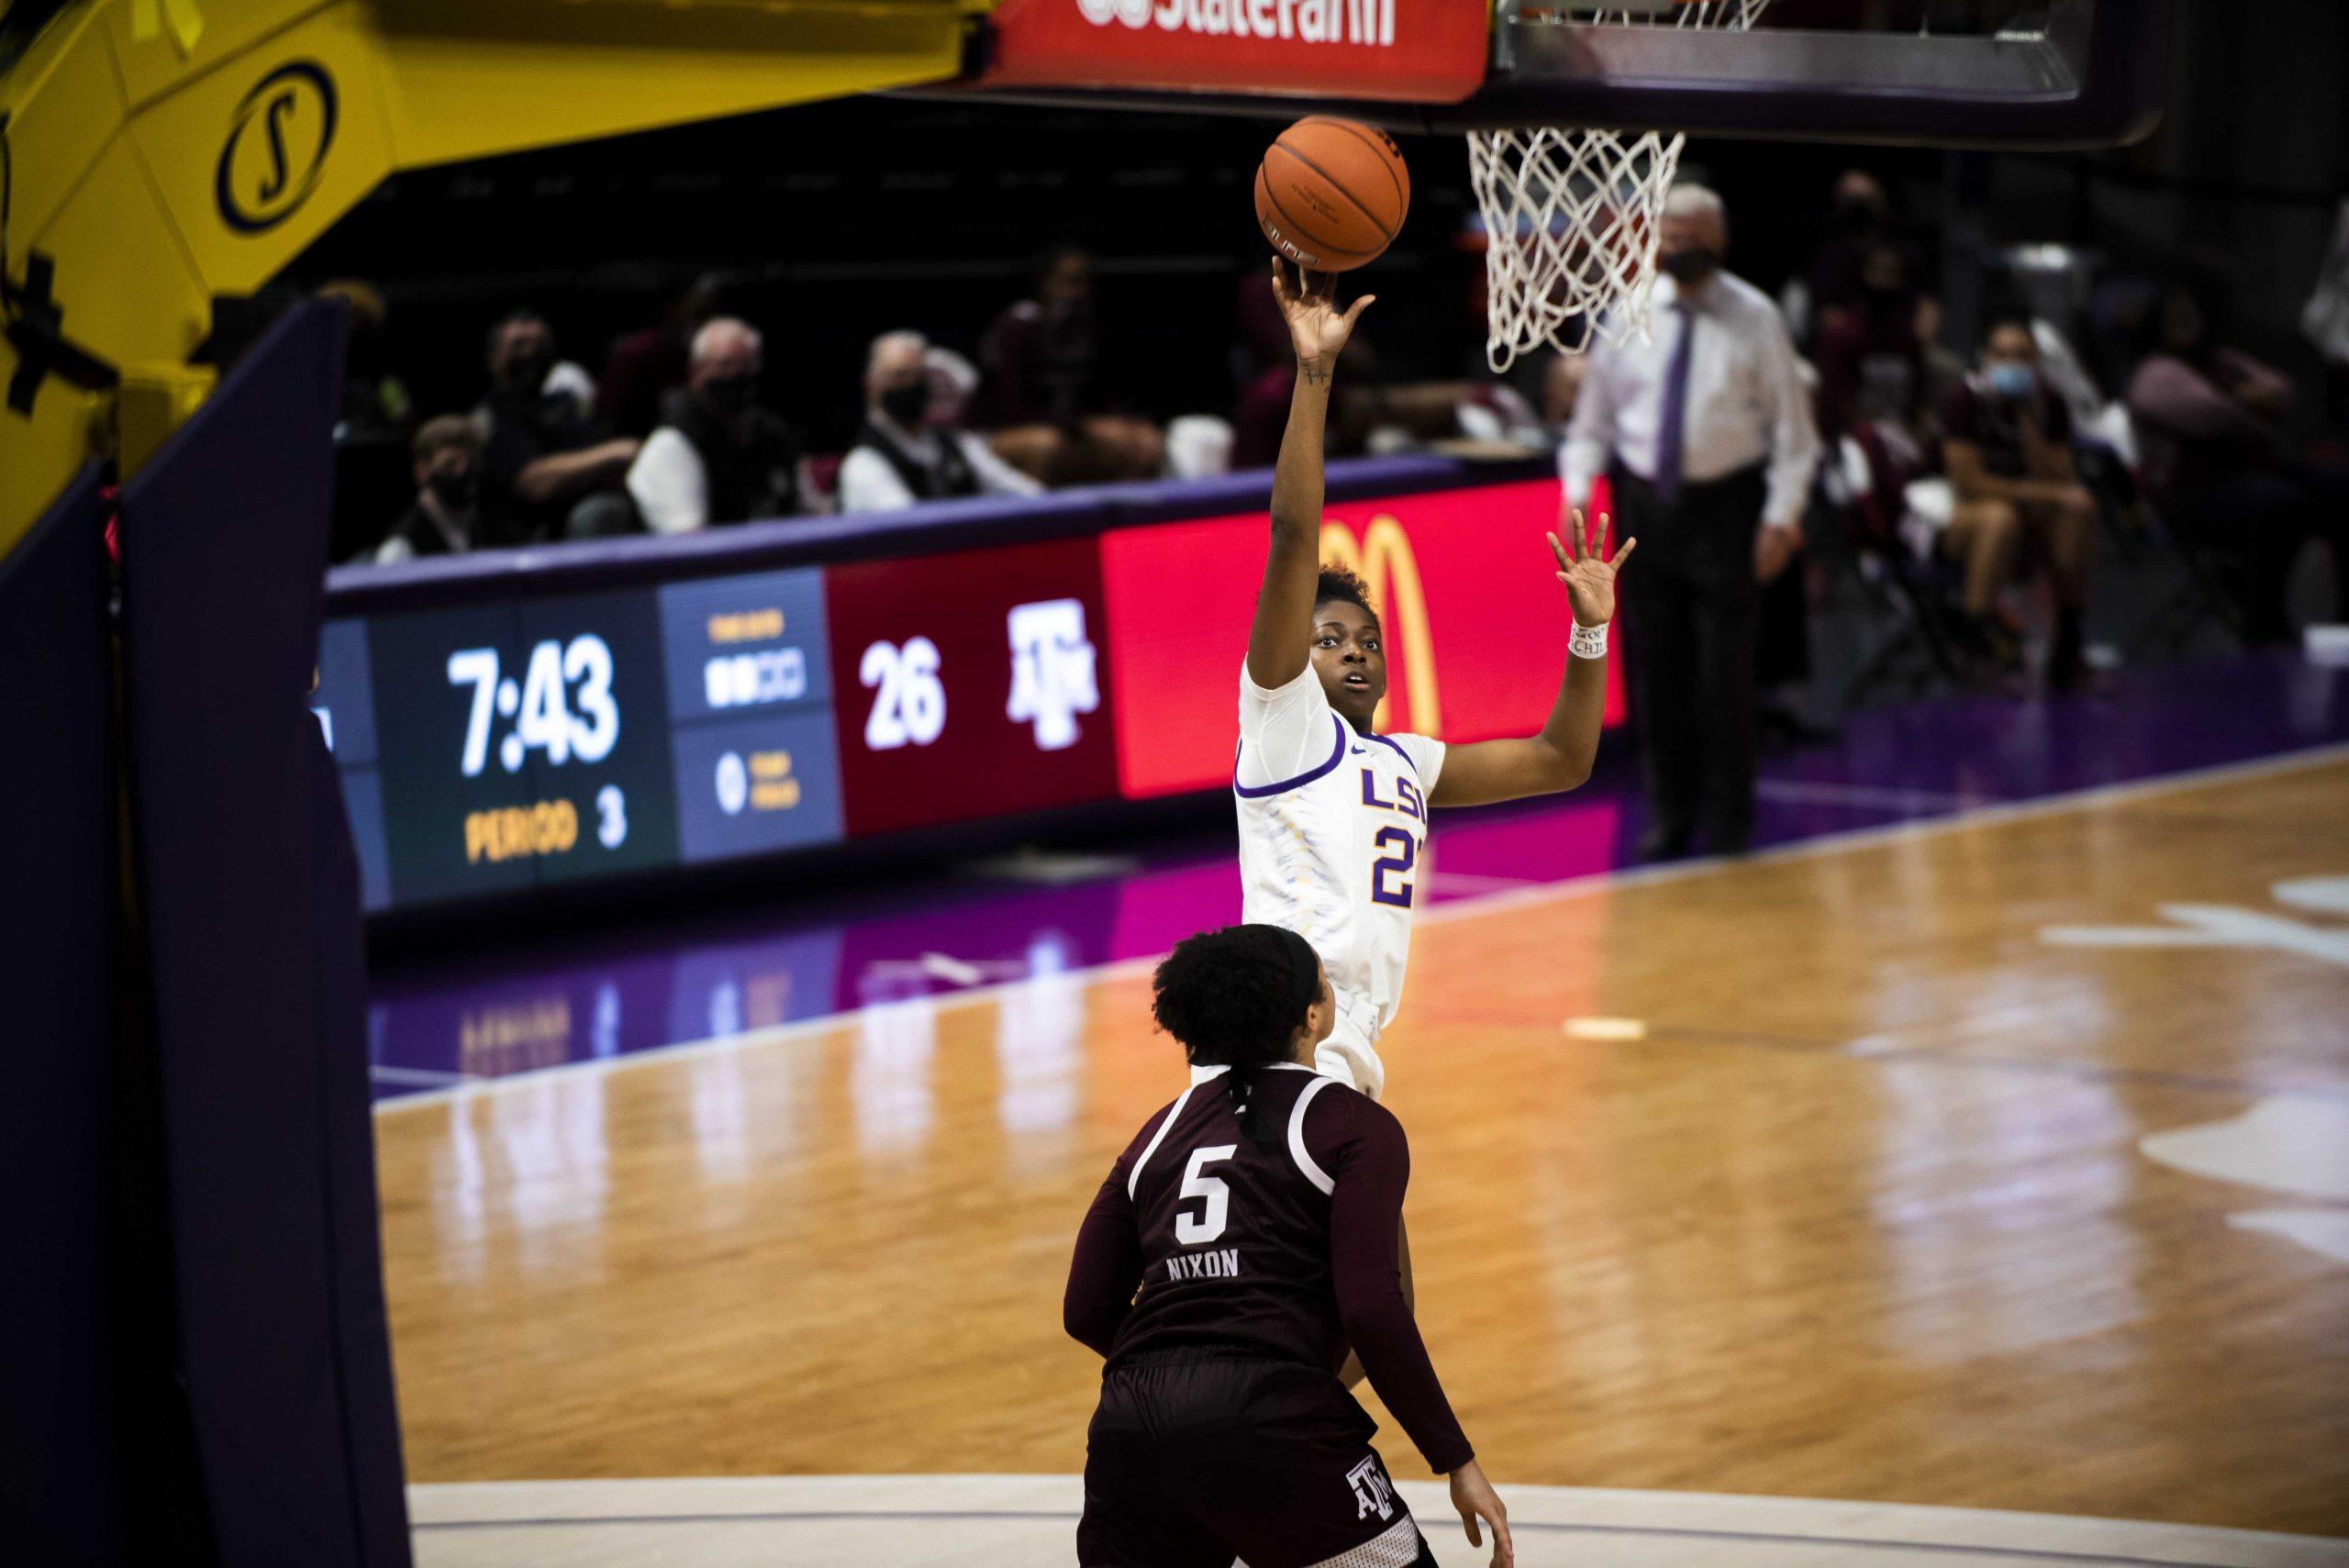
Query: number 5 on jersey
(1211,1191)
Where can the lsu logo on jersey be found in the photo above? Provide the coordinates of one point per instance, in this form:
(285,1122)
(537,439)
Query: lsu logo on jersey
(1408,798)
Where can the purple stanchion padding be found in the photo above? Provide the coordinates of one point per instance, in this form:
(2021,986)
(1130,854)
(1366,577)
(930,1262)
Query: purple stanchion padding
(62,1466)
(249,933)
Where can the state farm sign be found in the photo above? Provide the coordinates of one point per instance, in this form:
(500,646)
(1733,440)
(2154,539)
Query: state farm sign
(1406,50)
(1315,21)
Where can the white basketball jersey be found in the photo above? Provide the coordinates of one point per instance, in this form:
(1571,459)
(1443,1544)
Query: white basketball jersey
(1333,840)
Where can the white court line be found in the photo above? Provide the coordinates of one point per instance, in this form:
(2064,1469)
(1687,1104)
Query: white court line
(1470,883)
(1475,905)
(390,1075)
(998,1522)
(1800,792)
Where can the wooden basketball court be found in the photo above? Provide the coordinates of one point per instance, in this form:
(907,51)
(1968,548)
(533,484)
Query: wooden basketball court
(1822,1175)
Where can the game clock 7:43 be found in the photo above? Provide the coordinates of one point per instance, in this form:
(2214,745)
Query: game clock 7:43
(522,743)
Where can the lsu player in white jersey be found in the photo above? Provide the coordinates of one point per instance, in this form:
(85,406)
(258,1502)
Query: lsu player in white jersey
(1333,816)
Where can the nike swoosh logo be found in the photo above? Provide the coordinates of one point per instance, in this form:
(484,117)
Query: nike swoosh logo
(1361,751)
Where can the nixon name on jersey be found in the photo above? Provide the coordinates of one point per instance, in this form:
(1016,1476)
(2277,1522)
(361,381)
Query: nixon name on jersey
(1221,1262)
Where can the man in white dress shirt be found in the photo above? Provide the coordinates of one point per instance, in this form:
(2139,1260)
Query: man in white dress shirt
(909,450)
(1707,431)
(717,456)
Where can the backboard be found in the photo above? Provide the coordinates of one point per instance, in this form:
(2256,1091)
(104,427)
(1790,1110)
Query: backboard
(1940,73)
(1948,72)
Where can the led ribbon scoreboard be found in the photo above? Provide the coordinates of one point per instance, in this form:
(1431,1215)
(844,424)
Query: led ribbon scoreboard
(528,735)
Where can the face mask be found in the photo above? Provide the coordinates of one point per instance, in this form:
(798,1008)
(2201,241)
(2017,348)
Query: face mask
(2013,381)
(453,487)
(732,393)
(530,371)
(905,405)
(1859,214)
(1691,266)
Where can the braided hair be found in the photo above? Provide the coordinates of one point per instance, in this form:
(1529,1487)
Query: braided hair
(1234,998)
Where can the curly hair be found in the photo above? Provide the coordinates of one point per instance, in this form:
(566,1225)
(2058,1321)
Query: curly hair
(1339,586)
(1229,996)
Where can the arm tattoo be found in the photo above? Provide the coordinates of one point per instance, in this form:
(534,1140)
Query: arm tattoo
(1314,374)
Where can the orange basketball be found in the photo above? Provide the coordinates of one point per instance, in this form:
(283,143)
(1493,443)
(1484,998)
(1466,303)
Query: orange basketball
(1331,193)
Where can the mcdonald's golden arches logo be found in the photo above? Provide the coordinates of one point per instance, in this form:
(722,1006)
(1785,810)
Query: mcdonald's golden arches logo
(1382,558)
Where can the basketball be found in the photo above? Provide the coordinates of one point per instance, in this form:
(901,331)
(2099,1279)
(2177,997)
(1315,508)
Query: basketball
(1331,193)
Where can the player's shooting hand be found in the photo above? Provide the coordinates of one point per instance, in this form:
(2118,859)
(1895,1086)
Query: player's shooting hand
(1474,1496)
(1584,569)
(1309,301)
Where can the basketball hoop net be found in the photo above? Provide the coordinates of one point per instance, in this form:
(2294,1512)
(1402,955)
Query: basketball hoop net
(1571,216)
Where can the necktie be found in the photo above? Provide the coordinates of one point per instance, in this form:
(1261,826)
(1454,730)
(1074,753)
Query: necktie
(1671,430)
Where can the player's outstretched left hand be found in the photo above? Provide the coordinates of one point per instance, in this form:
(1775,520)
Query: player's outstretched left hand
(1584,569)
(1474,1498)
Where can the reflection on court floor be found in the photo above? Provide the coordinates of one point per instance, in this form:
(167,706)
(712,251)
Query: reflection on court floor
(1865,1191)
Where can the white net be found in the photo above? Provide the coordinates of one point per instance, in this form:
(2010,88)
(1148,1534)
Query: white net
(1571,214)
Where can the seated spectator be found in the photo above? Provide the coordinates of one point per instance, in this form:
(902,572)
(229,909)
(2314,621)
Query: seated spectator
(2325,321)
(448,475)
(2005,446)
(547,471)
(1871,363)
(1042,357)
(2209,421)
(1944,368)
(645,366)
(717,457)
(1261,413)
(909,449)
(1860,222)
(1562,390)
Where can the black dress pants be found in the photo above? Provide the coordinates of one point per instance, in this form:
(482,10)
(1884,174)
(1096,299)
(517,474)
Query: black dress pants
(1692,603)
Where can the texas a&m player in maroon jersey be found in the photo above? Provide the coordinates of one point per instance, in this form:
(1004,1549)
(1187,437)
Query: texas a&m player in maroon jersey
(1245,1238)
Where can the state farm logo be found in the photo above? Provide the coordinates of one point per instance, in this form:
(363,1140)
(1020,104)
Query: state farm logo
(1366,22)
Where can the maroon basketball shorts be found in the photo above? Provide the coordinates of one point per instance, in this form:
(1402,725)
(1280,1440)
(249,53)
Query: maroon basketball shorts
(1194,1460)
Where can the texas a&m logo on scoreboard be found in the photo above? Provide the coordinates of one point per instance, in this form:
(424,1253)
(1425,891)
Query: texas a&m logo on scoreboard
(980,686)
(1052,671)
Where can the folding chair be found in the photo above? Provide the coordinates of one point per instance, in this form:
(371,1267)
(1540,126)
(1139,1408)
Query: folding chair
(1914,650)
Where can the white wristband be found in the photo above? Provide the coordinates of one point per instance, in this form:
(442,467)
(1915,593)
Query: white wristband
(1588,642)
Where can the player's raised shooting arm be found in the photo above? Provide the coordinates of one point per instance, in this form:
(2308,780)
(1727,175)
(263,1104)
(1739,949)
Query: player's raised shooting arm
(1280,639)
(1558,757)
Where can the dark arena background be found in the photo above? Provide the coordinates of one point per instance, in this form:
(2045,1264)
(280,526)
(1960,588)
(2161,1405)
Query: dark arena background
(618,625)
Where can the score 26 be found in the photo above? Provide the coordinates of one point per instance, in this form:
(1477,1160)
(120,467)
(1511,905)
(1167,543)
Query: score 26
(909,699)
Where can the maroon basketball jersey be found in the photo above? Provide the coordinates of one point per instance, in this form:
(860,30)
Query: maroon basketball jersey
(1234,1228)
